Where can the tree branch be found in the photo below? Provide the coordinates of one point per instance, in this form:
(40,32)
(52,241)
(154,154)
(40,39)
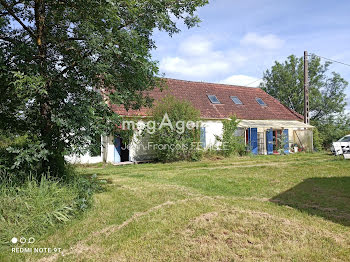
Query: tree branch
(62,40)
(75,39)
(12,6)
(74,63)
(131,21)
(12,13)
(68,68)
(9,39)
(4,13)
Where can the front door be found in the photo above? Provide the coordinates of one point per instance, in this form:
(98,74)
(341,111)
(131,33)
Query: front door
(277,134)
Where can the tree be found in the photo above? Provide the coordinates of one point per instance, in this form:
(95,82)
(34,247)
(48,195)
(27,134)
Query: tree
(230,142)
(333,128)
(285,81)
(176,136)
(71,50)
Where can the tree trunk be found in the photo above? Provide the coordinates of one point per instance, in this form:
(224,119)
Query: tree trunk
(55,161)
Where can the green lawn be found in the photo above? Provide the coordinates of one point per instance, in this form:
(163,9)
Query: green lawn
(266,208)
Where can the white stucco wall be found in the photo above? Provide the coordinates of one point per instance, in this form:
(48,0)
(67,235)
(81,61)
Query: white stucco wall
(86,158)
(212,128)
(109,149)
(140,148)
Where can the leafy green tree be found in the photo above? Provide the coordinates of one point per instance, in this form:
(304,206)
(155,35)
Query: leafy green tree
(285,81)
(176,142)
(333,128)
(67,52)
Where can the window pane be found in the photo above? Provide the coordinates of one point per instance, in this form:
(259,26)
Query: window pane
(202,137)
(236,100)
(260,101)
(345,139)
(213,99)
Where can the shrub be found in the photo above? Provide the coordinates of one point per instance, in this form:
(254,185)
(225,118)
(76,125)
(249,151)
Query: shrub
(169,144)
(317,140)
(20,157)
(230,143)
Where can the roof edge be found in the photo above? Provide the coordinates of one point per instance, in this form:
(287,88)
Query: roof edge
(210,83)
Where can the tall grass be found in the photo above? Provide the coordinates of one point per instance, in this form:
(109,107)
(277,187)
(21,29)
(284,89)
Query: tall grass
(33,208)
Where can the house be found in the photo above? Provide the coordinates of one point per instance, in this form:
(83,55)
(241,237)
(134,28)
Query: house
(264,121)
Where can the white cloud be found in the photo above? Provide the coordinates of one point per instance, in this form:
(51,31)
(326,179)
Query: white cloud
(196,46)
(197,59)
(242,80)
(193,68)
(268,41)
(206,58)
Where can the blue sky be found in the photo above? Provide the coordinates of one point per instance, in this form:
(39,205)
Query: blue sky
(238,40)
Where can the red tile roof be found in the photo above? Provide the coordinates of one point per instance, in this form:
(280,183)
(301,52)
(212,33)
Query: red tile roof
(196,93)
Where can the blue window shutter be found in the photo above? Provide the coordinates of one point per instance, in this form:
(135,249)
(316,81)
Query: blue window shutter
(286,140)
(202,137)
(117,150)
(269,142)
(254,140)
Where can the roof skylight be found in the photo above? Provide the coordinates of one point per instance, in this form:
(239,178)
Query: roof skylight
(213,99)
(236,100)
(260,101)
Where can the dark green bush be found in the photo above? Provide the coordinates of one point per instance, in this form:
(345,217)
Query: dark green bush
(170,145)
(20,158)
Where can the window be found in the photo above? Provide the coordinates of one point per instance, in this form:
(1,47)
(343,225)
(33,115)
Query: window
(202,137)
(236,100)
(260,101)
(213,99)
(345,139)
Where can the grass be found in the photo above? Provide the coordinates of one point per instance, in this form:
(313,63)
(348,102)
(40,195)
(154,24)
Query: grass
(36,208)
(266,208)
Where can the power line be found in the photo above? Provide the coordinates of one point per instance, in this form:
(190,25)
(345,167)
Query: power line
(335,61)
(253,82)
(312,54)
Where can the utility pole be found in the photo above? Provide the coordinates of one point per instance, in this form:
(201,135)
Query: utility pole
(306,89)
